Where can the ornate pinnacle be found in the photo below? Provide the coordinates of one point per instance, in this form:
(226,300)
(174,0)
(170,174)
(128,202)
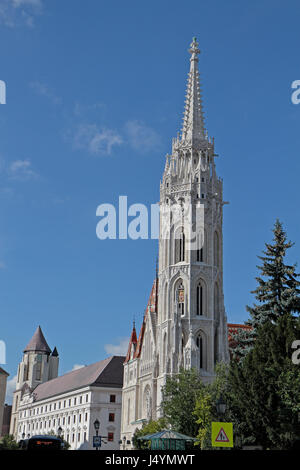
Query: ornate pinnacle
(194,49)
(193,122)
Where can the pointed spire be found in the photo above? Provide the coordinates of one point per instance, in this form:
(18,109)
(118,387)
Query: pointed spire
(54,352)
(132,341)
(193,121)
(38,343)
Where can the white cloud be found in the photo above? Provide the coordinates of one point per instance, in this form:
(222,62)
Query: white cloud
(43,90)
(77,366)
(15,12)
(10,388)
(119,349)
(141,137)
(20,3)
(21,169)
(97,141)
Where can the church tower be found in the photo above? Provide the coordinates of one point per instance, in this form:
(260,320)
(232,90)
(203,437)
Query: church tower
(191,321)
(38,365)
(185,324)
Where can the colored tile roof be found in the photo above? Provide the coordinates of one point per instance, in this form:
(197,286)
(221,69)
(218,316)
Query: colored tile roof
(105,373)
(151,309)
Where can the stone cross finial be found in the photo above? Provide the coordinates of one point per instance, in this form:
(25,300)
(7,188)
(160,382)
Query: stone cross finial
(194,49)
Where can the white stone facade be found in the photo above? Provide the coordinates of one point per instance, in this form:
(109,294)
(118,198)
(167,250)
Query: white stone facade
(185,324)
(75,412)
(44,402)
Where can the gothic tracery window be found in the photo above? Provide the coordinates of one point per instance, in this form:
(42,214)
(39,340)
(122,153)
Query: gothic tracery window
(199,299)
(179,247)
(180,298)
(216,250)
(199,343)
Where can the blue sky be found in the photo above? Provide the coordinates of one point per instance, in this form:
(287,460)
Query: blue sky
(95,93)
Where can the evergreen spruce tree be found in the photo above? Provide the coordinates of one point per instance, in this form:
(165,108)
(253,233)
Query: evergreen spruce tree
(264,384)
(266,411)
(277,293)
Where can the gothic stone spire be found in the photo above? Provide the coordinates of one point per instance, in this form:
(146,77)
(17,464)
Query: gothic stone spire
(193,121)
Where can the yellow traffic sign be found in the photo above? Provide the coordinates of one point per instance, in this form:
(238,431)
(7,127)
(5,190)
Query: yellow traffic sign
(222,434)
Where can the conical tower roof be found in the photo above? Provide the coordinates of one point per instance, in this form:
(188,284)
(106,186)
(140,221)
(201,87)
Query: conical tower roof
(193,120)
(38,343)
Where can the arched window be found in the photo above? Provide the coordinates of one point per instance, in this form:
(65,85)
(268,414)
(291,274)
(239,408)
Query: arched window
(164,358)
(216,301)
(200,247)
(180,298)
(199,299)
(216,250)
(199,343)
(216,346)
(179,246)
(128,411)
(166,293)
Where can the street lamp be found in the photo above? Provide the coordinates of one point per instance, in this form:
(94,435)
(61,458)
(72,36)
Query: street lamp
(221,406)
(97,426)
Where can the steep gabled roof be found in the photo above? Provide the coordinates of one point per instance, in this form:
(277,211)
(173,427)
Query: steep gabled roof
(150,311)
(3,372)
(132,342)
(106,373)
(38,343)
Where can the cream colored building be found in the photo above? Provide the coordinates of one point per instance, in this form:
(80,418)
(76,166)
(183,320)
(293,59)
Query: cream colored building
(44,402)
(185,323)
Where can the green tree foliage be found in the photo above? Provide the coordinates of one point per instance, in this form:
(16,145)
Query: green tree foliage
(203,413)
(279,293)
(258,402)
(264,384)
(179,400)
(8,443)
(150,427)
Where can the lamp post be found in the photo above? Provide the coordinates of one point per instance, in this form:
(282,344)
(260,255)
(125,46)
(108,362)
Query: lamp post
(221,406)
(97,426)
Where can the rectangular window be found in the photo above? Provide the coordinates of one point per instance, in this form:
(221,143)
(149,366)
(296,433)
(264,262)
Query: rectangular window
(110,436)
(111,417)
(38,375)
(112,398)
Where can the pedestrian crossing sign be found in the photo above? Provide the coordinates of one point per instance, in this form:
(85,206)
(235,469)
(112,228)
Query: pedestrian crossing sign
(222,434)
